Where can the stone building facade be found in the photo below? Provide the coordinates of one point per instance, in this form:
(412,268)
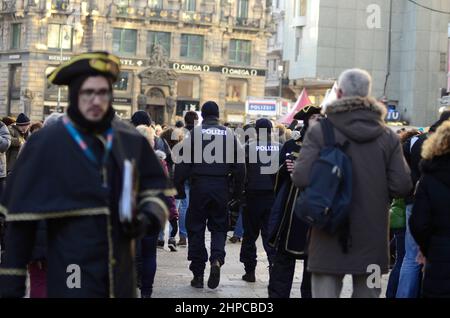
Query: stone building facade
(175,54)
(403,46)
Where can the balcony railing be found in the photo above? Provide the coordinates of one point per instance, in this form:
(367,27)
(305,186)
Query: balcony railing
(10,6)
(162,14)
(247,23)
(123,10)
(196,17)
(60,5)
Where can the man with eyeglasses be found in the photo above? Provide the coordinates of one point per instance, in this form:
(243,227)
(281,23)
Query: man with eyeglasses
(71,175)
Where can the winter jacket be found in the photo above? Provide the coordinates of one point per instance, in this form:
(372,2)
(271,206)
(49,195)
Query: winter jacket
(17,141)
(380,172)
(430,219)
(170,200)
(5,143)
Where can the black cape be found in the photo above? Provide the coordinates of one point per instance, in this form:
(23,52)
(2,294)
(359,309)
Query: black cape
(54,181)
(288,233)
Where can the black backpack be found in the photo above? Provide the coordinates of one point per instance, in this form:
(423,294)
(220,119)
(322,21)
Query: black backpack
(324,204)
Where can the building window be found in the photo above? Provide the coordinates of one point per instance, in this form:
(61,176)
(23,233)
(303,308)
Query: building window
(123,81)
(189,5)
(299,8)
(16,35)
(161,38)
(14,85)
(188,87)
(192,47)
(15,80)
(51,91)
(443,63)
(240,52)
(242,9)
(59,36)
(124,41)
(60,4)
(298,42)
(236,91)
(188,94)
(155,4)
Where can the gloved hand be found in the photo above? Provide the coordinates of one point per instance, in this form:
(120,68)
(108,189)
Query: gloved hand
(153,225)
(137,228)
(234,205)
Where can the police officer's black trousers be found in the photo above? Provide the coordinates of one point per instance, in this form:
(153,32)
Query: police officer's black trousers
(282,276)
(255,220)
(207,207)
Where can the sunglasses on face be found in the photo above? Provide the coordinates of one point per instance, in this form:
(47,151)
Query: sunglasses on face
(88,95)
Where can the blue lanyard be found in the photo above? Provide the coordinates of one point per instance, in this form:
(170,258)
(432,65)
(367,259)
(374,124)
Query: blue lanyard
(87,151)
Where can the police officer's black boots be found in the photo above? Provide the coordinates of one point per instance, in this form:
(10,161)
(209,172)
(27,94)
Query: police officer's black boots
(214,276)
(249,277)
(197,282)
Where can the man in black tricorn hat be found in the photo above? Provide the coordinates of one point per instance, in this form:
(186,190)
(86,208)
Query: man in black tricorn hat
(71,175)
(289,234)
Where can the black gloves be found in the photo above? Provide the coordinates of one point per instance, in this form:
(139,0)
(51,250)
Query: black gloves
(154,224)
(144,224)
(234,205)
(136,229)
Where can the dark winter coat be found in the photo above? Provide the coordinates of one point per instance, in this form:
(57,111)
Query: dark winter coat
(430,223)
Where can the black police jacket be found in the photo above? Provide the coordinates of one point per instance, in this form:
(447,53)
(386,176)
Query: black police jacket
(262,158)
(210,150)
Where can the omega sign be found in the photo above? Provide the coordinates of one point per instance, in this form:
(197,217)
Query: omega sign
(191,67)
(239,72)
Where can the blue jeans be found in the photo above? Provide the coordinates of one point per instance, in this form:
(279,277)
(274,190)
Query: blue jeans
(399,240)
(182,206)
(239,228)
(409,282)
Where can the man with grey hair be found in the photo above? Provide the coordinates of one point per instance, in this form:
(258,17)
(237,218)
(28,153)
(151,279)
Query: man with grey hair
(354,82)
(380,173)
(53,119)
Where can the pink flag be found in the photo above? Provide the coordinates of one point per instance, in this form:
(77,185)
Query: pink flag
(302,101)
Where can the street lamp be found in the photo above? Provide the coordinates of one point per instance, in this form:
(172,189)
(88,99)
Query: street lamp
(66,37)
(280,74)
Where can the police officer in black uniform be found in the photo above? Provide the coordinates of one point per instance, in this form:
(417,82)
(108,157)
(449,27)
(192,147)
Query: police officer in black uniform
(209,171)
(262,157)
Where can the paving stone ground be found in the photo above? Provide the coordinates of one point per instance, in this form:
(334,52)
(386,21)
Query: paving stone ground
(173,276)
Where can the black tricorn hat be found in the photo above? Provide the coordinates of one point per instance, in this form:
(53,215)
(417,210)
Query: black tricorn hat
(91,63)
(307,111)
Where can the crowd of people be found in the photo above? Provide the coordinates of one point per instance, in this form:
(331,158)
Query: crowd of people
(87,191)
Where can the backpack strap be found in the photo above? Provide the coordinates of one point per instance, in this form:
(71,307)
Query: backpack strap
(328,133)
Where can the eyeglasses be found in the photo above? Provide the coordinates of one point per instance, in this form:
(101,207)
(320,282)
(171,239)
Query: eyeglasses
(88,95)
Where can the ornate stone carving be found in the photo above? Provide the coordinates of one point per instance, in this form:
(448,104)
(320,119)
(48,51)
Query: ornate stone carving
(158,57)
(157,77)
